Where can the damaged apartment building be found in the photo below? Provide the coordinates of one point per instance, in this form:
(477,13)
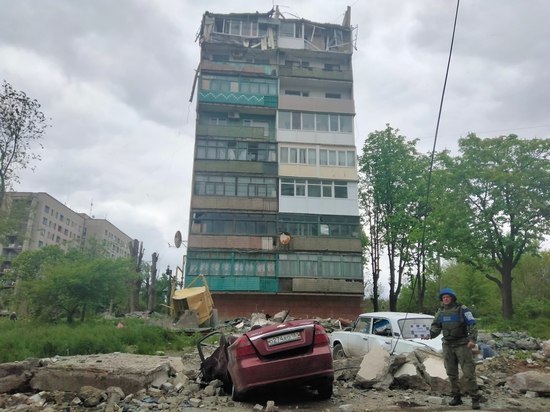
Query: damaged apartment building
(274,217)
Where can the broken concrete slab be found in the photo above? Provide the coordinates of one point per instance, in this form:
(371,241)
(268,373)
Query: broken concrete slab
(434,372)
(14,376)
(374,371)
(409,376)
(126,371)
(530,381)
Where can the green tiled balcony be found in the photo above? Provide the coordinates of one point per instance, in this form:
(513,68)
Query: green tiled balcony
(207,96)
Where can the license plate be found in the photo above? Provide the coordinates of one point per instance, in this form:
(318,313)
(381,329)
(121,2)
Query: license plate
(278,340)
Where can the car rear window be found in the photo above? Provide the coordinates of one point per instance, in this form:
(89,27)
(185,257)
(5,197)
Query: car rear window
(415,327)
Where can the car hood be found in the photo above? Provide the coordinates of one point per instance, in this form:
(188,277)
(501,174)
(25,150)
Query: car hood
(435,344)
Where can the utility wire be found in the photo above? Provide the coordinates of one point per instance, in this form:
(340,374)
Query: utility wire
(429,185)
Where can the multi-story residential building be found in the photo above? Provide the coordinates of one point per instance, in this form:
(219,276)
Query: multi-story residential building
(44,221)
(274,220)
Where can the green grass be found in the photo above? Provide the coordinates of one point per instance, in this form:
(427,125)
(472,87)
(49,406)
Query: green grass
(23,339)
(538,328)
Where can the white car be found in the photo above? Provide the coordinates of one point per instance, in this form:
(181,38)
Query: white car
(397,332)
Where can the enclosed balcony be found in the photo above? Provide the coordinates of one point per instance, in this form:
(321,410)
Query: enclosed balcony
(238,91)
(239,67)
(316,73)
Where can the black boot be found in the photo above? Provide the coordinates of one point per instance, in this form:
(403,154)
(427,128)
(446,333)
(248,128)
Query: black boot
(475,402)
(457,400)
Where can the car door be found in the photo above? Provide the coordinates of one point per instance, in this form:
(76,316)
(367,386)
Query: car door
(382,333)
(358,343)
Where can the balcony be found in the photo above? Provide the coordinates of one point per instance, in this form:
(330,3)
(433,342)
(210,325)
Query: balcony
(317,104)
(248,132)
(315,73)
(239,68)
(241,284)
(236,98)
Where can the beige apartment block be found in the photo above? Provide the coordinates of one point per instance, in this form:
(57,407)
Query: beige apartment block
(46,221)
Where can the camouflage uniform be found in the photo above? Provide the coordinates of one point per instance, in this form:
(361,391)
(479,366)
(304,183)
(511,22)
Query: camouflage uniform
(459,327)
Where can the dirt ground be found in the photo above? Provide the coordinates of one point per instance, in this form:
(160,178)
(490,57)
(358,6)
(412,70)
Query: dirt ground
(348,397)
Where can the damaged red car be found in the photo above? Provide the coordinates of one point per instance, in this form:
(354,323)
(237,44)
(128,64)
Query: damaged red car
(292,353)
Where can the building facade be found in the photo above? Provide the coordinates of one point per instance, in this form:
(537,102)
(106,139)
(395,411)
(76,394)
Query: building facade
(274,217)
(43,221)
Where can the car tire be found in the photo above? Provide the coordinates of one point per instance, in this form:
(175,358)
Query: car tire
(324,389)
(338,352)
(236,395)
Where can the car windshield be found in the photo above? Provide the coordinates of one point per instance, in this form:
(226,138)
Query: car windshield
(415,327)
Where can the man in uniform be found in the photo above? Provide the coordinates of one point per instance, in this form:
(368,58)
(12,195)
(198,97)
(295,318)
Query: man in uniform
(459,338)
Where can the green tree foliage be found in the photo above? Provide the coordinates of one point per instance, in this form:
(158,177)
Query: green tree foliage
(54,284)
(392,192)
(532,286)
(21,125)
(498,206)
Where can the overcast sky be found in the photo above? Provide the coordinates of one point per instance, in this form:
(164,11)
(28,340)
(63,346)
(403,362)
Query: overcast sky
(115,77)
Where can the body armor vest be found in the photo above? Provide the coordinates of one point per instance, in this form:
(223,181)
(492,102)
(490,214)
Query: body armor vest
(452,324)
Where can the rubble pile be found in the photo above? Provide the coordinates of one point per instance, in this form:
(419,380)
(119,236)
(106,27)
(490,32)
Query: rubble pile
(515,378)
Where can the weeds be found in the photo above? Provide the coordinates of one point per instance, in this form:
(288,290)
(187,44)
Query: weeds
(31,339)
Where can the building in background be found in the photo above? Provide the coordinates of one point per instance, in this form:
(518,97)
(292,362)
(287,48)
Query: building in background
(274,218)
(44,221)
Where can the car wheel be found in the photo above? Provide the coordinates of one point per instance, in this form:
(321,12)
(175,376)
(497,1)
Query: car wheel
(338,352)
(324,389)
(236,395)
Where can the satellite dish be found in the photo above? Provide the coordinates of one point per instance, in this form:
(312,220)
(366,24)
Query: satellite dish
(177,239)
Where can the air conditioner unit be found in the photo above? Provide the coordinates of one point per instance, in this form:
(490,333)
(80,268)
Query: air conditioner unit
(233,115)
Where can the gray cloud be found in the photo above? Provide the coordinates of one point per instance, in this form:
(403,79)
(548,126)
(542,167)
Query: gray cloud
(116,77)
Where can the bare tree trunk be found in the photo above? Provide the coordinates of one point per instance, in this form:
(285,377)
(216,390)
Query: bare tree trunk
(375,261)
(136,251)
(153,284)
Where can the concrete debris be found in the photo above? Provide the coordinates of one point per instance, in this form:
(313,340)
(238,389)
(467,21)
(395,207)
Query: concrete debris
(379,381)
(533,381)
(374,369)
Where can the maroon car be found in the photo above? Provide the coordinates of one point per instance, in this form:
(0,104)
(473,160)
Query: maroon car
(291,353)
(294,352)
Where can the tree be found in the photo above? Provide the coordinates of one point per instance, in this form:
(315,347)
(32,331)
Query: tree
(136,253)
(21,124)
(500,206)
(55,284)
(153,284)
(392,175)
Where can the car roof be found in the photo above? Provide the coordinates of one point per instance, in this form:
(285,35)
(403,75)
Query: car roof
(397,315)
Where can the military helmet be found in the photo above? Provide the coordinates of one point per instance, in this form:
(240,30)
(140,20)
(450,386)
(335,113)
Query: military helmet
(447,291)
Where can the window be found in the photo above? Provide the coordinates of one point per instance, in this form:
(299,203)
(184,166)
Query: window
(46,209)
(362,325)
(291,29)
(346,124)
(320,266)
(314,188)
(308,121)
(326,186)
(287,187)
(333,95)
(296,121)
(340,190)
(45,221)
(381,327)
(284,120)
(321,122)
(332,67)
(297,93)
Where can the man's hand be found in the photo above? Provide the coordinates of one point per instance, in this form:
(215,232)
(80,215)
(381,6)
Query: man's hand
(471,344)
(426,337)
